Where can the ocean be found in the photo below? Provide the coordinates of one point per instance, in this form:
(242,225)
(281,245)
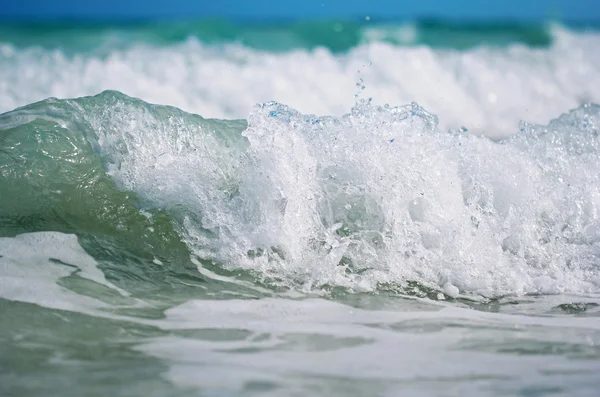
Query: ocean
(299,208)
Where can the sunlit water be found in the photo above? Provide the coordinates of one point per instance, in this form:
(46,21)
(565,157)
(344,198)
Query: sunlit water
(323,244)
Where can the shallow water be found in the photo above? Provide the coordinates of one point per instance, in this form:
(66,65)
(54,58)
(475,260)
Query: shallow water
(356,344)
(430,249)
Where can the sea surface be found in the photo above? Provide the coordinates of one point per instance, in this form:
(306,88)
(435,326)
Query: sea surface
(299,208)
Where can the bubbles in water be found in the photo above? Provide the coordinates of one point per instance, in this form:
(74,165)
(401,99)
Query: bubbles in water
(380,197)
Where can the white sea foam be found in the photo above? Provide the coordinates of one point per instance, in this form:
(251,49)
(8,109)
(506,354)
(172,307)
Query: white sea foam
(482,89)
(283,347)
(378,197)
(32,264)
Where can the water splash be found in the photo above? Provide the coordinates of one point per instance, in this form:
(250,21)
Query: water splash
(378,198)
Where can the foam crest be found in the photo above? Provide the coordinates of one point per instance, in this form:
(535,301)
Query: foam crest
(378,198)
(383,197)
(484,89)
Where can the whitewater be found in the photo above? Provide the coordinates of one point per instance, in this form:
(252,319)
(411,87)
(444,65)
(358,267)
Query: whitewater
(194,217)
(486,89)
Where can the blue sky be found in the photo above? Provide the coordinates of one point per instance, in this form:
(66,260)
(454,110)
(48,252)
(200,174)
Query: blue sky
(461,9)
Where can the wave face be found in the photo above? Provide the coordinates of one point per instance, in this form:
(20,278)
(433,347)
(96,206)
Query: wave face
(485,88)
(377,198)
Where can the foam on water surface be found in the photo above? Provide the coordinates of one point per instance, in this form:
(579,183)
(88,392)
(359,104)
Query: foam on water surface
(282,346)
(275,346)
(32,265)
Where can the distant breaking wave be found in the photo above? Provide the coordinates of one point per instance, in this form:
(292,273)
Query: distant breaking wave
(485,89)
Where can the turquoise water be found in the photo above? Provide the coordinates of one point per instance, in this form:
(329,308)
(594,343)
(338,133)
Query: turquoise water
(299,208)
(335,35)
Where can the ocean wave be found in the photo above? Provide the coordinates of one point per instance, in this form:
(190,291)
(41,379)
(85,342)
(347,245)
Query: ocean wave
(486,90)
(378,198)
